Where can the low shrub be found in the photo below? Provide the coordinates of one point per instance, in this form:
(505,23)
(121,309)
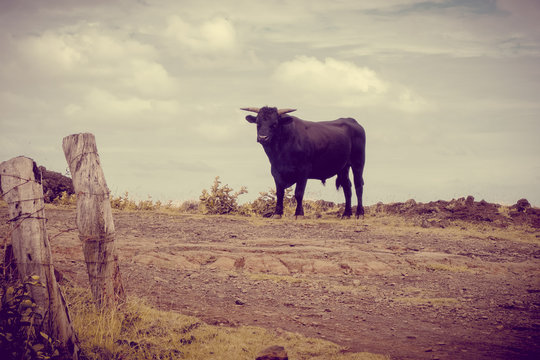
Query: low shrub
(220,199)
(65,199)
(21,332)
(265,204)
(123,202)
(189,206)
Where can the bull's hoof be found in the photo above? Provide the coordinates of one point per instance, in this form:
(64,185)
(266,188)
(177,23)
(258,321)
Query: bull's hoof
(276,216)
(344,217)
(298,217)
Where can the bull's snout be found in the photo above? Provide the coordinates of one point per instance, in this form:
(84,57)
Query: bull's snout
(263,139)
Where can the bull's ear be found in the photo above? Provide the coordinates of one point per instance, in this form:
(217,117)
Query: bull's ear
(285,119)
(251,119)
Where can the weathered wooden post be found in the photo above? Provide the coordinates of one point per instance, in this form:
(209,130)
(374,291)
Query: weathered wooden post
(94,219)
(22,190)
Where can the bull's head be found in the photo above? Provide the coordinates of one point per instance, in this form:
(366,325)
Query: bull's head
(269,121)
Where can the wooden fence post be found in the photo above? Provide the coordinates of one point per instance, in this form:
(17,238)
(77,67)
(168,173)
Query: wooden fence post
(21,184)
(94,219)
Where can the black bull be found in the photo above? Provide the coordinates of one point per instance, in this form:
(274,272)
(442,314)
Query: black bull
(299,150)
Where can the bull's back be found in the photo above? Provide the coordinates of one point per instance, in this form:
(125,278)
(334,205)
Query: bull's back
(334,144)
(354,129)
(338,131)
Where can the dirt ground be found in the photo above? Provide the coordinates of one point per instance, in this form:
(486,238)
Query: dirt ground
(377,284)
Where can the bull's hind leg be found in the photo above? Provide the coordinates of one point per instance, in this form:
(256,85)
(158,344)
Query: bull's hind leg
(359,188)
(344,182)
(358,159)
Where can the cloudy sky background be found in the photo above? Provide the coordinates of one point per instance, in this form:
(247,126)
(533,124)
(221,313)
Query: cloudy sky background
(447,90)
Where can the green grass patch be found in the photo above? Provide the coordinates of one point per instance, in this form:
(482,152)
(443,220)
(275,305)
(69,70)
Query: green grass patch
(138,331)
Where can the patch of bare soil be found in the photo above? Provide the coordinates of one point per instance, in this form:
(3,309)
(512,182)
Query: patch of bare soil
(412,292)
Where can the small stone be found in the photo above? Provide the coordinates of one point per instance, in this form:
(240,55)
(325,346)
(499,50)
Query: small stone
(273,353)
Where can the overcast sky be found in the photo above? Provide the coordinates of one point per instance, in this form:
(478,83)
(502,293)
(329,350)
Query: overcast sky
(447,90)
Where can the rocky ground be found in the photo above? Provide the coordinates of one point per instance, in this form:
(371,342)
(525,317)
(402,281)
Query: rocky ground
(420,285)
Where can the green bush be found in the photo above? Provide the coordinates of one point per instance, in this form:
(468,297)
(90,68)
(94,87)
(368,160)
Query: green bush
(21,333)
(220,199)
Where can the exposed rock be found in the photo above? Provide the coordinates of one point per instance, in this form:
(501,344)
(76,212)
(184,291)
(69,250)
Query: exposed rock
(410,203)
(265,264)
(239,302)
(522,205)
(273,353)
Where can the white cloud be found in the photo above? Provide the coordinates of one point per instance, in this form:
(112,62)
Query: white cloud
(148,78)
(46,55)
(330,76)
(344,83)
(215,35)
(77,50)
(88,71)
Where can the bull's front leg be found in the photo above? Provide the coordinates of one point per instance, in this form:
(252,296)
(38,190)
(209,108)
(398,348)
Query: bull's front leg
(280,193)
(299,196)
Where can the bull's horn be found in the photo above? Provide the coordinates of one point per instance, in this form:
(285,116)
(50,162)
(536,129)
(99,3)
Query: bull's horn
(254,109)
(285,111)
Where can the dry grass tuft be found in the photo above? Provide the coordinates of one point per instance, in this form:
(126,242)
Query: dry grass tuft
(449,268)
(138,331)
(276,278)
(414,301)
